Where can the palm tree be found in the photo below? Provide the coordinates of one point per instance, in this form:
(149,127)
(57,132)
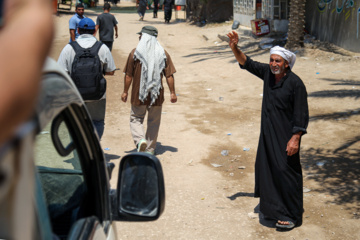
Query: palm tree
(209,10)
(296,24)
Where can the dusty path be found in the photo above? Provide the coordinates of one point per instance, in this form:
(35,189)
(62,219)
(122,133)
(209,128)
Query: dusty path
(205,202)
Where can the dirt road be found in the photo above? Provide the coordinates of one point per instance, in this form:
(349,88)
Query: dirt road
(219,109)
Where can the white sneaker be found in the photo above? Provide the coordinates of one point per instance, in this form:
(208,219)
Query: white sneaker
(142,145)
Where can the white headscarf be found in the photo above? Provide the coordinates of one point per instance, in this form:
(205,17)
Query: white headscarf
(285,54)
(152,57)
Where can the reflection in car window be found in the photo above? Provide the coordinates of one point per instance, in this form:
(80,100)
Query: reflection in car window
(61,178)
(47,156)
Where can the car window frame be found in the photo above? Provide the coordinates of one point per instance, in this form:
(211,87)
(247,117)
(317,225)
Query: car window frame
(92,162)
(92,158)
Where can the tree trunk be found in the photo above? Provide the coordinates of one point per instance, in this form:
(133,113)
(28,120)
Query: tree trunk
(209,11)
(296,24)
(193,10)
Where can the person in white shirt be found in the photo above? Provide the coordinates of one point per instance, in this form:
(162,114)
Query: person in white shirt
(86,39)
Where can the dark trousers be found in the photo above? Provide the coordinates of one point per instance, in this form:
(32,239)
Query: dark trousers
(168,13)
(97,113)
(141,9)
(156,7)
(108,44)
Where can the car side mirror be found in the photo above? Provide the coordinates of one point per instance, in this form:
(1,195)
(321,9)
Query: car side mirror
(140,194)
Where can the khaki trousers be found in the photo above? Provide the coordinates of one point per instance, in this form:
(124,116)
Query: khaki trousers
(137,116)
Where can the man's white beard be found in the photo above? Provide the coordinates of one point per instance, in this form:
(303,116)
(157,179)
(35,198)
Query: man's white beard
(279,71)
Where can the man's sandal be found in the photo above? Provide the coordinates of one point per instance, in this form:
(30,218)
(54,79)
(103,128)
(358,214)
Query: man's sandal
(285,226)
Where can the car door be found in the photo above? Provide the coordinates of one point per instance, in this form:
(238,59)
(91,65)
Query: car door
(73,172)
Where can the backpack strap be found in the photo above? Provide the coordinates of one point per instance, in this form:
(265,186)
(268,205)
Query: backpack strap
(76,46)
(96,48)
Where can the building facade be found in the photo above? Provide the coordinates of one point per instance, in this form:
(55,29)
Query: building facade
(275,11)
(334,21)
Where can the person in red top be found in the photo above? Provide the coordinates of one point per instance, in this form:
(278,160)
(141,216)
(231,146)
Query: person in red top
(144,69)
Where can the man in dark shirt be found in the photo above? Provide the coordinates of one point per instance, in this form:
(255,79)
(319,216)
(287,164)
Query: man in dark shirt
(156,7)
(168,5)
(284,119)
(142,5)
(106,23)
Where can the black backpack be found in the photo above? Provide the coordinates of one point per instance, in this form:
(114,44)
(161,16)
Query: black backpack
(86,71)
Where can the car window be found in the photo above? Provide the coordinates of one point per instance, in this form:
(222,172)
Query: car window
(46,154)
(61,178)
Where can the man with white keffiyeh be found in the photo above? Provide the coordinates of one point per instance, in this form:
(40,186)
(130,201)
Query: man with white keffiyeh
(144,69)
(284,119)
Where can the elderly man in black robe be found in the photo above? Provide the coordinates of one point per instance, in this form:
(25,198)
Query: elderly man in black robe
(284,119)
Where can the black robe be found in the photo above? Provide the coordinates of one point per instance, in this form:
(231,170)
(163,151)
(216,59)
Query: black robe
(168,5)
(278,177)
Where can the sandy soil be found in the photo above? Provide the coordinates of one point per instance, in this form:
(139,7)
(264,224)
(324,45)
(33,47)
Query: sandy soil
(219,109)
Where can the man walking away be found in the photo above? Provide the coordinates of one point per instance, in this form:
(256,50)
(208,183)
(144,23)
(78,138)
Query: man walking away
(168,5)
(142,5)
(106,23)
(74,21)
(156,8)
(87,45)
(144,69)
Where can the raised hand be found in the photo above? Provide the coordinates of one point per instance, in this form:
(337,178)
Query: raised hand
(233,39)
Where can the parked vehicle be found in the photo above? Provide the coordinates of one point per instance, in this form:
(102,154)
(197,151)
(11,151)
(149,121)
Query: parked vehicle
(71,196)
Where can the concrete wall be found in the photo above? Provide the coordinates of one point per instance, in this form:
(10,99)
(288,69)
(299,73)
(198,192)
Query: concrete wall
(279,25)
(244,20)
(335,21)
(275,25)
(245,11)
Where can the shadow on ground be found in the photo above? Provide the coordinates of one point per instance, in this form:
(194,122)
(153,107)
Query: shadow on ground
(110,157)
(160,149)
(337,172)
(240,194)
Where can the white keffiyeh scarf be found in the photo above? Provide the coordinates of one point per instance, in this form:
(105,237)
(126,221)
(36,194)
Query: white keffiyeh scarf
(152,58)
